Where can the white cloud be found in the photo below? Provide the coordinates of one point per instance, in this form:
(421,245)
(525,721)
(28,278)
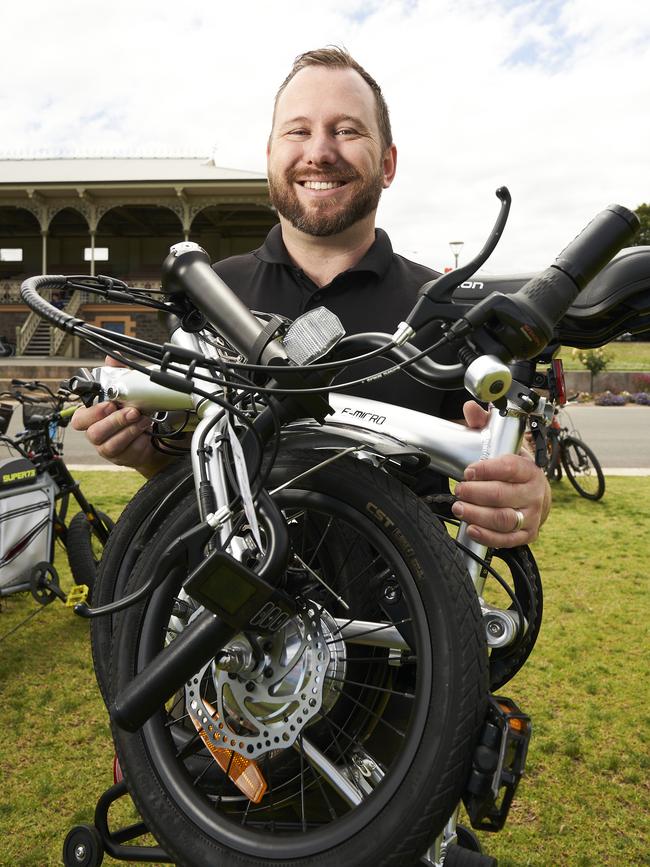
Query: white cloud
(549,98)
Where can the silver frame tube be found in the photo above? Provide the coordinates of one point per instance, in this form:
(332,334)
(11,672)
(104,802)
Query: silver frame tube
(450,446)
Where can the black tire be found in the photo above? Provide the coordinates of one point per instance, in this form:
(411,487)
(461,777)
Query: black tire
(418,716)
(582,468)
(83,847)
(458,856)
(120,555)
(85,548)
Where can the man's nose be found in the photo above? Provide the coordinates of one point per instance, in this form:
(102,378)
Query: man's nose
(321,149)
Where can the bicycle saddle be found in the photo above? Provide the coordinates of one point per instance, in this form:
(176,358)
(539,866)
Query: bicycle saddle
(615,301)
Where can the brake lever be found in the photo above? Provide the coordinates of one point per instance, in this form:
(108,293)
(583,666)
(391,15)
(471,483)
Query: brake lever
(84,386)
(435,301)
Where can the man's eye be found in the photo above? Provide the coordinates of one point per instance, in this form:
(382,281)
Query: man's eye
(346,131)
(297,133)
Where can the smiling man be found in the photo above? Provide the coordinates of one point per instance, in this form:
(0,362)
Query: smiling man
(330,156)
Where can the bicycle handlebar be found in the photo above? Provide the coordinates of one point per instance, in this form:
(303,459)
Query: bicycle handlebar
(30,293)
(579,262)
(523,323)
(187,271)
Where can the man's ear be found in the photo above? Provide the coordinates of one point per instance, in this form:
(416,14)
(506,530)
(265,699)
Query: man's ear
(389,165)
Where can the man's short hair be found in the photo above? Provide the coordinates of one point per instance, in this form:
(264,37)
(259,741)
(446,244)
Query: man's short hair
(339,58)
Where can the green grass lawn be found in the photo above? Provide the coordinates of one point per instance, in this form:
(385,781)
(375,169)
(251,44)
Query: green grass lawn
(624,356)
(585,797)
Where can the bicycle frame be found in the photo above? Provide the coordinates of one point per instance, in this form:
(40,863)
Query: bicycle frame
(362,426)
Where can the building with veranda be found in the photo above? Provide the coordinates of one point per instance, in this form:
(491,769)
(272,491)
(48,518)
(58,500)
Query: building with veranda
(114,216)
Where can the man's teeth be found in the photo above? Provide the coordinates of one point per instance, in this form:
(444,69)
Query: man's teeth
(322,185)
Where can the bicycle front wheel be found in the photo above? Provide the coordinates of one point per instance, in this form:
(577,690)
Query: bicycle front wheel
(582,468)
(357,718)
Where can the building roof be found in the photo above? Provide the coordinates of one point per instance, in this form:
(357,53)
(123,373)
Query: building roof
(19,172)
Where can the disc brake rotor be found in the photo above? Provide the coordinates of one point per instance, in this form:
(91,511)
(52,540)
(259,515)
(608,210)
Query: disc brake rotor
(266,706)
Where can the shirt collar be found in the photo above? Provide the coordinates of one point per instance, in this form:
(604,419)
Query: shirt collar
(377,259)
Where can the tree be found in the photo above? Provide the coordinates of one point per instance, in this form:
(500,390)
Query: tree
(643,236)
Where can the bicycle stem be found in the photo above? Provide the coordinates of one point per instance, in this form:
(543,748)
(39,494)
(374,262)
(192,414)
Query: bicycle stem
(505,435)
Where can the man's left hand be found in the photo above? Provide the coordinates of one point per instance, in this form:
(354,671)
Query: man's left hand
(495,492)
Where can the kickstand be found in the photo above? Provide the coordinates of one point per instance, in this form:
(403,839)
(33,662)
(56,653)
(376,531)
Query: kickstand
(85,845)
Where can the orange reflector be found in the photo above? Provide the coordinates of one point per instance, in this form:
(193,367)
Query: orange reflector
(245,773)
(515,723)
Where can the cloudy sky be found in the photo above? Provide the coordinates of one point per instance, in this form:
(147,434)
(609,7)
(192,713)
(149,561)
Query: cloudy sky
(550,97)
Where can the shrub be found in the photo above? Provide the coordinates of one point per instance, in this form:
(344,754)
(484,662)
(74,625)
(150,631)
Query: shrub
(609,399)
(595,360)
(641,397)
(641,381)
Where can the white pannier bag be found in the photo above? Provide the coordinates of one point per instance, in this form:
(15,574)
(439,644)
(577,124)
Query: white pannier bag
(26,511)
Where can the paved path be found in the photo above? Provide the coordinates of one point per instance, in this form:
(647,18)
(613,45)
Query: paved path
(619,436)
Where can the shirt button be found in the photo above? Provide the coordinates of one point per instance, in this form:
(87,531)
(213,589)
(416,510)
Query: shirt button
(317,296)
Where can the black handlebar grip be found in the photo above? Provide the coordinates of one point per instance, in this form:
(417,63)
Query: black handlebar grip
(523,323)
(553,291)
(187,271)
(29,292)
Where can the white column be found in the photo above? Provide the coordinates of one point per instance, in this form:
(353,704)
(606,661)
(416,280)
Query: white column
(92,253)
(44,234)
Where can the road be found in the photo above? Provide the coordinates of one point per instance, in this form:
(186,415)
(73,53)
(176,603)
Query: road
(619,436)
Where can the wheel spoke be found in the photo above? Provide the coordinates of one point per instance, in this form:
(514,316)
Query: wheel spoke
(212,761)
(373,714)
(301,750)
(335,727)
(319,544)
(245,816)
(369,686)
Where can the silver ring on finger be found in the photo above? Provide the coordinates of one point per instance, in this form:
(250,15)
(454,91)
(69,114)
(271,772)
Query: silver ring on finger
(519,521)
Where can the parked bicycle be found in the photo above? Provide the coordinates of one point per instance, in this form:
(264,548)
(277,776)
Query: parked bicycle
(565,448)
(582,467)
(297,658)
(35,491)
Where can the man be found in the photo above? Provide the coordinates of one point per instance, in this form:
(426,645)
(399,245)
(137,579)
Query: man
(330,155)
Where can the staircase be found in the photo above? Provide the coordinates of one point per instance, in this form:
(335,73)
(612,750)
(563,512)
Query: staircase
(39,343)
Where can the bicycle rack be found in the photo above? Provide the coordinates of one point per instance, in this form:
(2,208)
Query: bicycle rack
(85,845)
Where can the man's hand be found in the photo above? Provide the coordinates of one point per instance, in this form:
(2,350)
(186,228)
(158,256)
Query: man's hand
(493,491)
(119,435)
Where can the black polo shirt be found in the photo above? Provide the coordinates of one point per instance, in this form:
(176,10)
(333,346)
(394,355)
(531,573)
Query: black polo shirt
(375,295)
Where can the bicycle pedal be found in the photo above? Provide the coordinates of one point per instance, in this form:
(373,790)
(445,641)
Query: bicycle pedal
(77,595)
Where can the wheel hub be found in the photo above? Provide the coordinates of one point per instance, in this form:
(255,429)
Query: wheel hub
(261,691)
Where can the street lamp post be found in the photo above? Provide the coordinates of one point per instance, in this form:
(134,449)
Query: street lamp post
(456,247)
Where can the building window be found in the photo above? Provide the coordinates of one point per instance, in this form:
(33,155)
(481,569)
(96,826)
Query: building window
(117,322)
(101,254)
(11,254)
(119,327)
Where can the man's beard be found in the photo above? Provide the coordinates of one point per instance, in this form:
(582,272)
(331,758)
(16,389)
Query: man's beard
(325,216)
